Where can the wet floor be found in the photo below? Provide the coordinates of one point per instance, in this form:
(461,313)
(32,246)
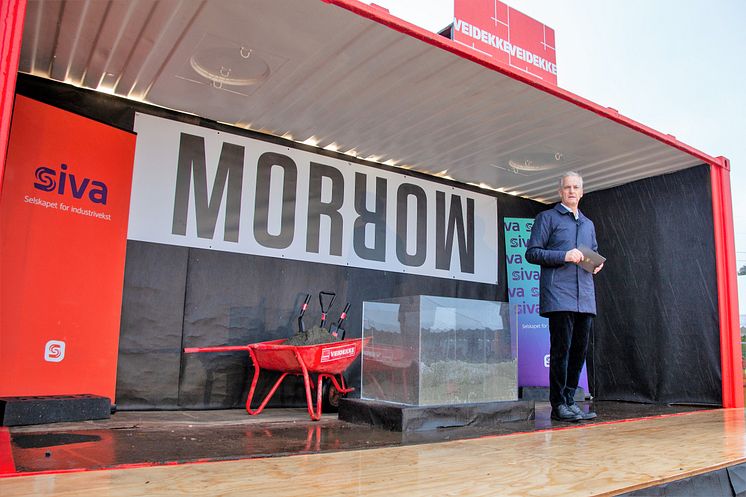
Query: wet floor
(169,437)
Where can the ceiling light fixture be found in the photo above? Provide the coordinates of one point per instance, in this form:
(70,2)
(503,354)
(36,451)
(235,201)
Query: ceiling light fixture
(230,66)
(535,162)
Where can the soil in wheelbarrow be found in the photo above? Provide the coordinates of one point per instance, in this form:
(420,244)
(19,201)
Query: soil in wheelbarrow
(314,336)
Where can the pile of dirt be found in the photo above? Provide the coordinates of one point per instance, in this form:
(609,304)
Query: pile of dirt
(314,336)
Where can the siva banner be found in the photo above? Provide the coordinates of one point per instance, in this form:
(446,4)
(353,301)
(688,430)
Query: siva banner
(63,238)
(198,187)
(531,330)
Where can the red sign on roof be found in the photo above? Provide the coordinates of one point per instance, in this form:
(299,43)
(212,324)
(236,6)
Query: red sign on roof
(510,37)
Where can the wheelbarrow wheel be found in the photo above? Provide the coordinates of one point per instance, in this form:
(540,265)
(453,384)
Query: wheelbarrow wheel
(330,397)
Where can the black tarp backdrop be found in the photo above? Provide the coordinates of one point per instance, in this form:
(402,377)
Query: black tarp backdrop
(657,333)
(656,342)
(176,297)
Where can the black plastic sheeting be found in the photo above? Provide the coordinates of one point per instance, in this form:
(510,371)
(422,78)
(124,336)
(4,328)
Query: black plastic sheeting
(656,334)
(236,299)
(150,340)
(407,418)
(726,482)
(657,331)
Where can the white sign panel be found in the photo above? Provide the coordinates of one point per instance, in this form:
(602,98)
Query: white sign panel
(197,187)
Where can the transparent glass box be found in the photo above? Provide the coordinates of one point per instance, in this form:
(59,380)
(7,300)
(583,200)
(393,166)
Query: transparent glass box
(427,350)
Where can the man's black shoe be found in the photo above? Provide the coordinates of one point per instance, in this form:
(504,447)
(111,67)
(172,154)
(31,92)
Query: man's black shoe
(583,415)
(563,413)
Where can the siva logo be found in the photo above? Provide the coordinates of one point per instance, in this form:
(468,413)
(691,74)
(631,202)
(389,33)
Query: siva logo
(47,180)
(54,351)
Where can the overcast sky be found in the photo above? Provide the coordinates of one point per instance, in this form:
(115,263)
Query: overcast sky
(676,66)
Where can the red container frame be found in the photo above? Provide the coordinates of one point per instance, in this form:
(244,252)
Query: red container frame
(12,15)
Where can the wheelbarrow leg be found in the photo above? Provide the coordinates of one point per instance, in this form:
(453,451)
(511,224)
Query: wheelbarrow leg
(257,370)
(333,390)
(340,386)
(315,413)
(261,407)
(319,396)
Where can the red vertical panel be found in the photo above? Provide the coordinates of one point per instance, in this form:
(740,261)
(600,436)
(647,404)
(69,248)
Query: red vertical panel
(64,211)
(12,13)
(725,259)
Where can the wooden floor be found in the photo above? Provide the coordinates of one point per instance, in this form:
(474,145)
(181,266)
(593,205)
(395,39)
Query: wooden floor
(599,459)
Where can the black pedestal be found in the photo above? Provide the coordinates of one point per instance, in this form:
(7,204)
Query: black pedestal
(406,418)
(16,411)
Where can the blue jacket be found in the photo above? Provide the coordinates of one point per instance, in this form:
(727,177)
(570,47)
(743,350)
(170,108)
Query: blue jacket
(564,286)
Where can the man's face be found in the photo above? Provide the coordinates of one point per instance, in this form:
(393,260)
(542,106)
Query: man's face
(571,191)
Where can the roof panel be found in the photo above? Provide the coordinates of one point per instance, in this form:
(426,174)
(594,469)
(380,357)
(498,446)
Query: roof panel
(350,77)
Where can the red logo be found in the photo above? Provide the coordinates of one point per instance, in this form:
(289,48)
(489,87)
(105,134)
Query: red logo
(336,353)
(54,351)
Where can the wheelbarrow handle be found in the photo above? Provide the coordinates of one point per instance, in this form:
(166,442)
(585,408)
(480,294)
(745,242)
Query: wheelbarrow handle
(223,348)
(326,309)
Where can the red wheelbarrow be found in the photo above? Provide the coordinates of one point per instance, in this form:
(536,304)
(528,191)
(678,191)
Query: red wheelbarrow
(327,360)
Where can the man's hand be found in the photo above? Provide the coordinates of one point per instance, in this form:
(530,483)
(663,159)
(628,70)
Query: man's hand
(574,255)
(598,268)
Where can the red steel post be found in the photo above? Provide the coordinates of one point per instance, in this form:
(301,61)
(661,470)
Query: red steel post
(12,13)
(725,260)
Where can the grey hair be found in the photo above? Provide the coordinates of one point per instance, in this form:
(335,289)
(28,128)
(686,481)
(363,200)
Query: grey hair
(568,174)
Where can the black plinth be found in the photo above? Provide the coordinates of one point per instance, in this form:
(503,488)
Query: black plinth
(406,418)
(16,411)
(541,394)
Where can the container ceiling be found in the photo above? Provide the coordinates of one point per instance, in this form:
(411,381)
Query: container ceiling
(346,77)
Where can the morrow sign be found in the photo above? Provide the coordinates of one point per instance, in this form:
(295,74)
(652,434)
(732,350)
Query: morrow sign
(198,187)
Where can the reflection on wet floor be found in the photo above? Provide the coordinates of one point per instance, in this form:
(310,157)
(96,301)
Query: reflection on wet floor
(147,438)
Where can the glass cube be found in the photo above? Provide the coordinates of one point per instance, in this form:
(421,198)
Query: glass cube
(427,350)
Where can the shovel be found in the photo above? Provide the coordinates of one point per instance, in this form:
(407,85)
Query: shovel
(334,329)
(325,309)
(301,326)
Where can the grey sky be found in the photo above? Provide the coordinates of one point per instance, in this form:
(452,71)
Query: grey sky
(675,66)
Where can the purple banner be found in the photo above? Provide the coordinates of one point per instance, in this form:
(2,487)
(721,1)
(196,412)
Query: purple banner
(530,329)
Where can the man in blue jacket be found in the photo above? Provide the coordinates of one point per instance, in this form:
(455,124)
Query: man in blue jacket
(567,296)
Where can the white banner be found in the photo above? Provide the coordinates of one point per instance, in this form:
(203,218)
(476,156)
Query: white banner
(197,187)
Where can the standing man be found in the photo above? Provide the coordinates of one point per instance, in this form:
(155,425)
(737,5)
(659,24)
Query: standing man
(567,296)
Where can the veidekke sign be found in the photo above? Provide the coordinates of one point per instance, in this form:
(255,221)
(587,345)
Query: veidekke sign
(505,34)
